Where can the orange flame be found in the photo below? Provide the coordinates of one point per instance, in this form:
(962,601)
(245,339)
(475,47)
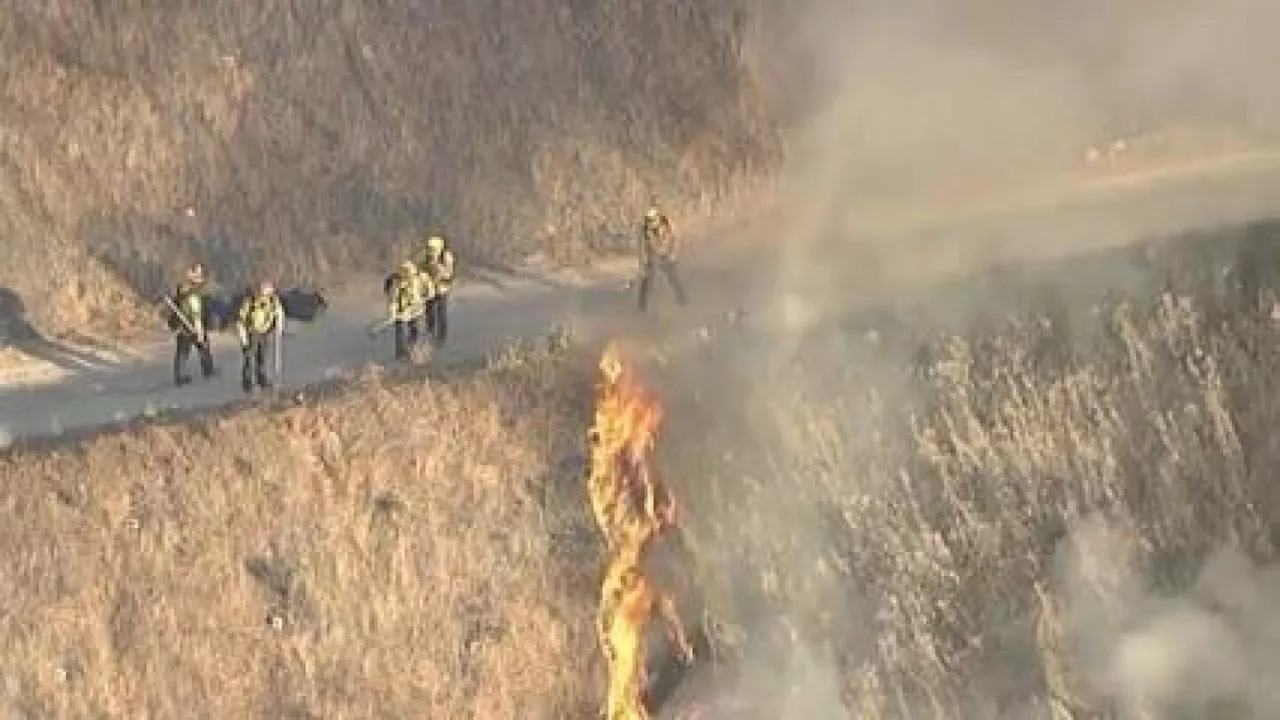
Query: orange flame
(632,508)
(622,483)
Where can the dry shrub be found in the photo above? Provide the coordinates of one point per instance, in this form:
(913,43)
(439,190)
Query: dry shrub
(403,551)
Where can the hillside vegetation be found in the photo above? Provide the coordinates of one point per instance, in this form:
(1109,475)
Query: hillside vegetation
(308,139)
(404,551)
(1062,505)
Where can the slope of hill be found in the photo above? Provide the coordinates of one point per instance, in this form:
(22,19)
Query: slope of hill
(881,518)
(405,551)
(309,139)
(1033,491)
(1058,502)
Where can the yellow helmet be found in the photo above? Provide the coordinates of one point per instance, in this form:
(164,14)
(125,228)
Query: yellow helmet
(653,213)
(435,243)
(408,269)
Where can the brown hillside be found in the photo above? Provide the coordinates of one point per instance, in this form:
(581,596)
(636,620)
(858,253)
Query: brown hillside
(353,559)
(1064,505)
(309,138)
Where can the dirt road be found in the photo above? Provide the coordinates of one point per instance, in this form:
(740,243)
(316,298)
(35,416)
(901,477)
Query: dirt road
(41,398)
(49,397)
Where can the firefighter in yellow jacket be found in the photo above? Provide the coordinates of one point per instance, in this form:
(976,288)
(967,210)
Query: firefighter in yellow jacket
(408,291)
(259,324)
(439,265)
(186,316)
(659,252)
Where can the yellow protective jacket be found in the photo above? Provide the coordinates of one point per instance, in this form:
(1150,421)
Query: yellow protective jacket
(440,269)
(407,296)
(657,239)
(259,315)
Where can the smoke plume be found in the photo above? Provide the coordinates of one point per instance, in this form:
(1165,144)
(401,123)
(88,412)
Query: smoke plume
(1203,652)
(925,108)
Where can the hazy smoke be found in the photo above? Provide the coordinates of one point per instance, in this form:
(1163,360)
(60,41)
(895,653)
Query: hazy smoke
(916,108)
(811,688)
(1207,651)
(923,108)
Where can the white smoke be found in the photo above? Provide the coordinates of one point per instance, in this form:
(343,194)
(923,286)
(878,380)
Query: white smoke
(1205,652)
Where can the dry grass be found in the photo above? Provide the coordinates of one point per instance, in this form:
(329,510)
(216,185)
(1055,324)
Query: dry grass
(1023,519)
(309,140)
(980,533)
(395,553)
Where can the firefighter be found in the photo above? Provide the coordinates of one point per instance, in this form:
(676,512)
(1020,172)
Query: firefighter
(659,251)
(259,318)
(439,265)
(407,293)
(186,316)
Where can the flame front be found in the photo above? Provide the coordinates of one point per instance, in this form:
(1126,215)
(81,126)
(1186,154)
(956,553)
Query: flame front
(622,486)
(632,509)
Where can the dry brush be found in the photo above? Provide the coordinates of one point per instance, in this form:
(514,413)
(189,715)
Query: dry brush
(407,550)
(1046,515)
(1063,510)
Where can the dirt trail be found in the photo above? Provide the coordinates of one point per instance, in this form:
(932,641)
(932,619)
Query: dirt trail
(43,397)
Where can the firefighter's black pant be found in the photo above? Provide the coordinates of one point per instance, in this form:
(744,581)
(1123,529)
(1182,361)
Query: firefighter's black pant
(406,333)
(436,320)
(667,266)
(253,370)
(184,343)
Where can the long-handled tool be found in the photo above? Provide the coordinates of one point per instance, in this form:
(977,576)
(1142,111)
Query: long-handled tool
(186,323)
(279,354)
